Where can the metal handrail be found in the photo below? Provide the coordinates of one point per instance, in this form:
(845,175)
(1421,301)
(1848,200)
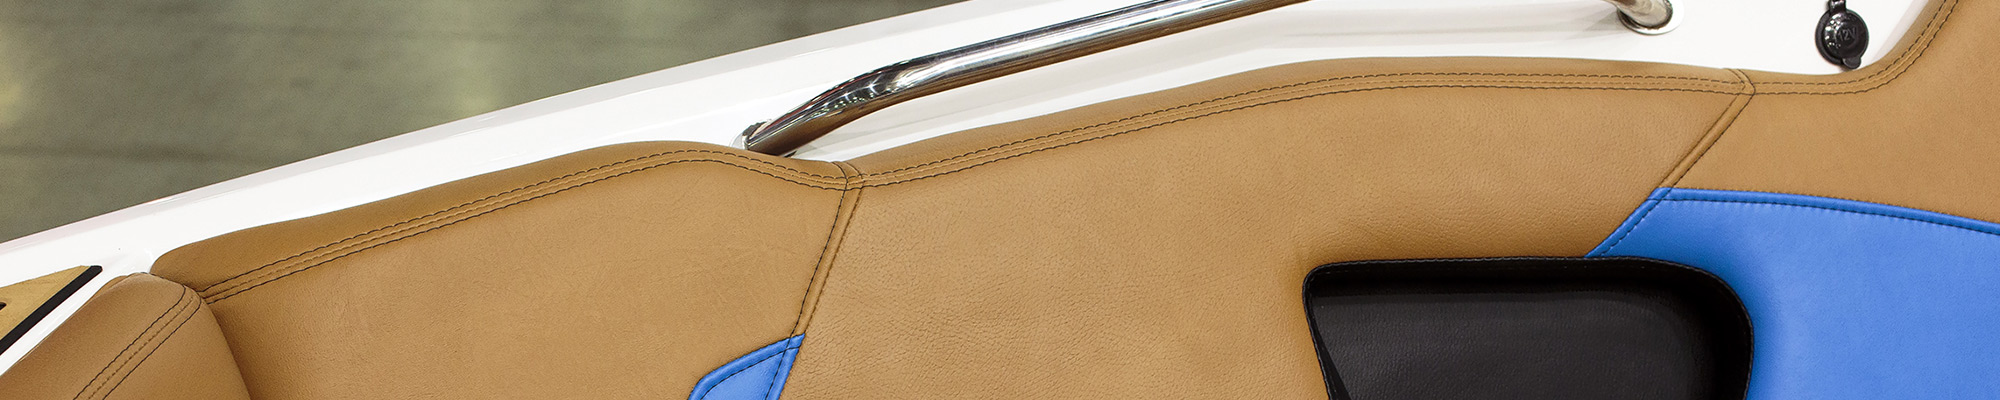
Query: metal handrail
(921,76)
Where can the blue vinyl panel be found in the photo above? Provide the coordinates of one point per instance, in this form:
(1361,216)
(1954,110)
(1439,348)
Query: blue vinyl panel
(1848,300)
(759,375)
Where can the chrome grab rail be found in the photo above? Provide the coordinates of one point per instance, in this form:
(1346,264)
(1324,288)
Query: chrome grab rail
(1051,44)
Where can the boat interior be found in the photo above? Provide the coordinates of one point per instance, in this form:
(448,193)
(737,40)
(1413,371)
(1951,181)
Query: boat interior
(1379,228)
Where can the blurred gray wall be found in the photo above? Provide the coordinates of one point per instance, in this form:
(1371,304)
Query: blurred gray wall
(109,103)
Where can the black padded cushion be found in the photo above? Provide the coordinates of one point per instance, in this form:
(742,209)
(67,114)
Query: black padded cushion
(1527,328)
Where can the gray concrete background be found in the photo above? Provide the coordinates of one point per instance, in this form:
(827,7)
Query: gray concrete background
(109,103)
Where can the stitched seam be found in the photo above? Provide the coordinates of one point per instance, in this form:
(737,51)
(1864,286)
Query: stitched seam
(1804,194)
(151,336)
(800,319)
(1198,116)
(1269,96)
(128,345)
(1268,89)
(805,319)
(773,387)
(261,280)
(227,287)
(1721,128)
(726,378)
(825,261)
(156,349)
(1919,50)
(1700,150)
(780,166)
(1635,226)
(1931,28)
(1651,204)
(460,205)
(1837,209)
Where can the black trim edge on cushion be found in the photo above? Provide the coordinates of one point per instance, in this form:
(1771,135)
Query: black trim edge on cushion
(1721,311)
(48,306)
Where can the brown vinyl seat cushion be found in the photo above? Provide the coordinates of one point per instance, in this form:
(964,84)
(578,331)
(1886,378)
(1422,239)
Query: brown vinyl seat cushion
(1149,247)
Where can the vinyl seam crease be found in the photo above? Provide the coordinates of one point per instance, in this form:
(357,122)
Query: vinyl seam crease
(829,253)
(147,341)
(274,275)
(1715,131)
(206,288)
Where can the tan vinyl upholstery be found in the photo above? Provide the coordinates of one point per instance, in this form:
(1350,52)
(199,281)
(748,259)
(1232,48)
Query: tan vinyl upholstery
(141,337)
(1150,247)
(623,272)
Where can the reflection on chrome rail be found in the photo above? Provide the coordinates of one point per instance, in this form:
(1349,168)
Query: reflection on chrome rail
(990,59)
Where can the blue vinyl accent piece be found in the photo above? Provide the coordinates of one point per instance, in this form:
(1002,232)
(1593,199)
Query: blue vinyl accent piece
(1847,300)
(759,375)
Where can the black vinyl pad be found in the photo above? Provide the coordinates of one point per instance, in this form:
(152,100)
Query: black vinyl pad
(1489,329)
